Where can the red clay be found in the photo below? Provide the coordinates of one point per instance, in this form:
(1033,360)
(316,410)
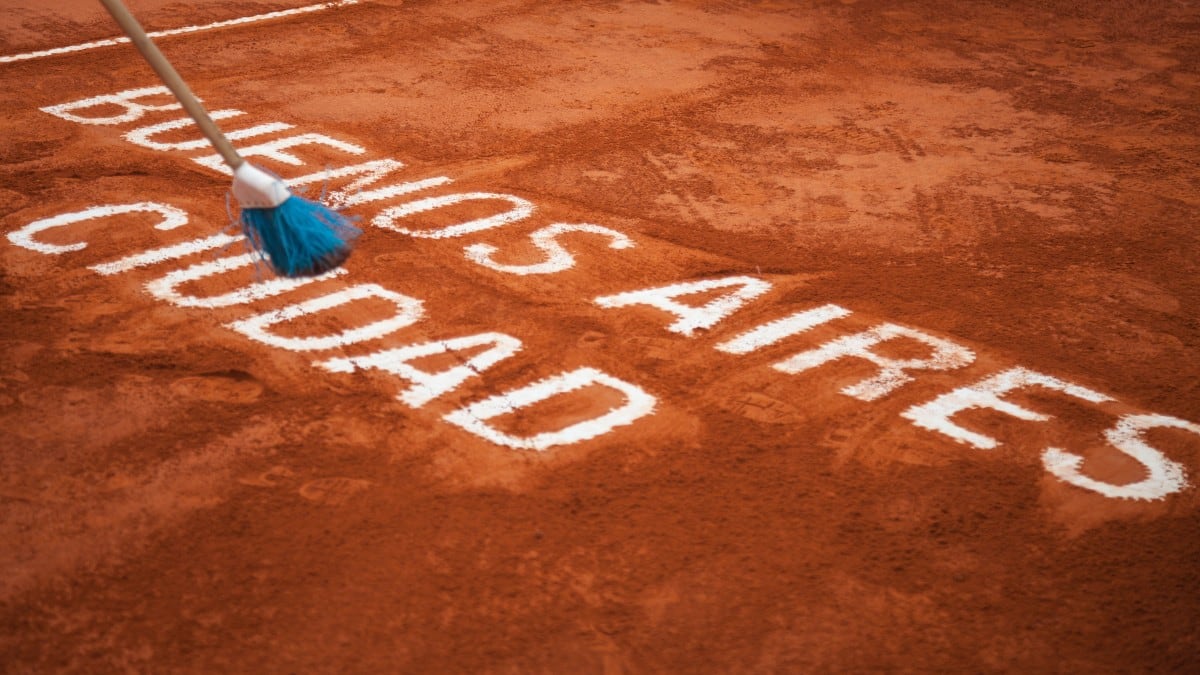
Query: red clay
(1018,178)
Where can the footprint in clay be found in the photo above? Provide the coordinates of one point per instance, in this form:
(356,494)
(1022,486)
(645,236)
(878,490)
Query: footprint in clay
(233,386)
(333,491)
(762,408)
(270,478)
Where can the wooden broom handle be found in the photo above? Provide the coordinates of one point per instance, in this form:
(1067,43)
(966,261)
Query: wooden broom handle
(174,82)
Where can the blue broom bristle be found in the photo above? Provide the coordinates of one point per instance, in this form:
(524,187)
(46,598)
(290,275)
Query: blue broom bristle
(300,238)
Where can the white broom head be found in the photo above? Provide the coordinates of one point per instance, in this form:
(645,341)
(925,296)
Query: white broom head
(257,189)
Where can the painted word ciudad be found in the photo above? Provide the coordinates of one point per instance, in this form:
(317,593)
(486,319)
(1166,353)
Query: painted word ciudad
(364,185)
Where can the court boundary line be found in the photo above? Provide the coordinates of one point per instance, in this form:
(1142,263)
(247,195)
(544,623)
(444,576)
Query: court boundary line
(85,46)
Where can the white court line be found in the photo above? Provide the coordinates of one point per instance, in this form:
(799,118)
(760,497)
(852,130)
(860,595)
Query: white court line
(177,31)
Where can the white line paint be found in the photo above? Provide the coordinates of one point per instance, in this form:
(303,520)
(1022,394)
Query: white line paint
(275,150)
(347,198)
(367,172)
(172,217)
(84,46)
(521,209)
(426,385)
(158,255)
(936,414)
(123,99)
(692,318)
(143,135)
(893,373)
(558,258)
(166,288)
(1128,436)
(408,312)
(353,194)
(774,331)
(474,417)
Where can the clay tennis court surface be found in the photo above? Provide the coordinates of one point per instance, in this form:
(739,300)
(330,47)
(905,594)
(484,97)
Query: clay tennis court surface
(935,409)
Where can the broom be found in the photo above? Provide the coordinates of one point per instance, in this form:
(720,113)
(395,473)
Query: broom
(297,237)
